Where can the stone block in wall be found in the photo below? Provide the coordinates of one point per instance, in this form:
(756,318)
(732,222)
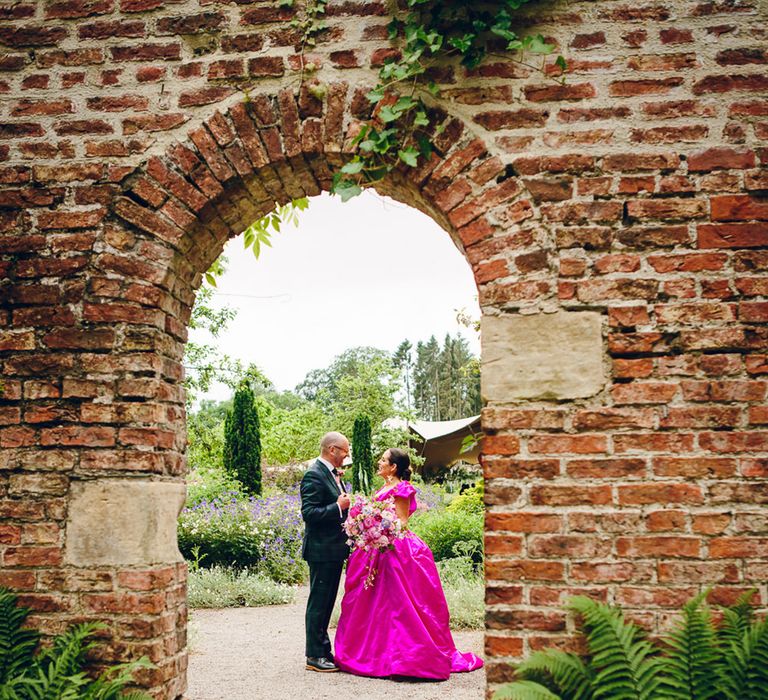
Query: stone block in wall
(542,356)
(123,522)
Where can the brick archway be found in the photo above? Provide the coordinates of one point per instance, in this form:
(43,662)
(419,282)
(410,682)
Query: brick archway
(616,229)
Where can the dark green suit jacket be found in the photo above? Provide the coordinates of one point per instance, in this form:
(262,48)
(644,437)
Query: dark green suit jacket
(324,537)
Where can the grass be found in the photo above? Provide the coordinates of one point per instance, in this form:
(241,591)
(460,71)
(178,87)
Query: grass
(223,588)
(464,592)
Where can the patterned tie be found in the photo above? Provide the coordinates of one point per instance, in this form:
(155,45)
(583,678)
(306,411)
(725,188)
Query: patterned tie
(335,473)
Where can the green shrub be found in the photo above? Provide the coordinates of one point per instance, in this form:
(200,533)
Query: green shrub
(469,501)
(259,534)
(698,660)
(464,587)
(219,587)
(362,472)
(283,478)
(56,672)
(209,485)
(242,441)
(442,530)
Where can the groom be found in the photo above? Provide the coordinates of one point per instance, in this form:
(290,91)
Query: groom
(324,506)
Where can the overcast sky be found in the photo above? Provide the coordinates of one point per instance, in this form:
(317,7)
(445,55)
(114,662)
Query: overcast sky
(370,271)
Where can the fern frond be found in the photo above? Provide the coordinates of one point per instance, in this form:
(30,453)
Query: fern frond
(17,645)
(110,684)
(745,665)
(622,661)
(737,618)
(757,668)
(568,673)
(524,690)
(690,666)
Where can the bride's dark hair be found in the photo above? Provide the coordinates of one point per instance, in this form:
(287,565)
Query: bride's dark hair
(402,462)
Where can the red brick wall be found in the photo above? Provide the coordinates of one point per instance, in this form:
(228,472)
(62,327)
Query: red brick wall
(636,189)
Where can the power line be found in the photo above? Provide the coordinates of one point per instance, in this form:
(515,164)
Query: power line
(286,296)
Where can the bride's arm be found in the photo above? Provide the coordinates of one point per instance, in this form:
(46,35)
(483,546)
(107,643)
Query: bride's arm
(402,508)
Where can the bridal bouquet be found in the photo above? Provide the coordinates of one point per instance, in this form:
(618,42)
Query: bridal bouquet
(372,526)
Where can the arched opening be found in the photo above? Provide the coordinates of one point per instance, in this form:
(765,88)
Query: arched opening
(177,213)
(385,274)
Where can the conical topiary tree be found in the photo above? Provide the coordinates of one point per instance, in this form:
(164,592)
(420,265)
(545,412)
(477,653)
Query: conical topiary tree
(362,474)
(242,441)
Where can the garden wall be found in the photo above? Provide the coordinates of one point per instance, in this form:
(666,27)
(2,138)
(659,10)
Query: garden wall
(616,225)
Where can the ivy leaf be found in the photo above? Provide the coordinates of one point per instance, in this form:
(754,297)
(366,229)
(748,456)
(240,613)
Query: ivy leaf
(421,118)
(375,95)
(504,33)
(409,156)
(539,45)
(463,43)
(301,203)
(404,103)
(433,89)
(361,134)
(425,145)
(561,63)
(353,167)
(388,114)
(346,189)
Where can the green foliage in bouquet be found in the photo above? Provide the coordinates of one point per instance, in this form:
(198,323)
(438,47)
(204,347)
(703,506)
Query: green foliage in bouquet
(55,673)
(697,660)
(362,474)
(242,441)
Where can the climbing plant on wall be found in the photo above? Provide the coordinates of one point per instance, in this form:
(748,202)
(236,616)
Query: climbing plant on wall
(403,126)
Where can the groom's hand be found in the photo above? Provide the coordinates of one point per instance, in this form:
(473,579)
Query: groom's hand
(343,501)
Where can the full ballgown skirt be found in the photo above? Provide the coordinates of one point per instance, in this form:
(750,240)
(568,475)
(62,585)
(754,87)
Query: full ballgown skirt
(399,626)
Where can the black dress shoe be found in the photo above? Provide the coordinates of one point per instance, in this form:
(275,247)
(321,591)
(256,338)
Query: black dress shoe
(321,664)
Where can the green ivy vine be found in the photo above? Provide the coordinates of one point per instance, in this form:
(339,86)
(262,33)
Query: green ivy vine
(401,128)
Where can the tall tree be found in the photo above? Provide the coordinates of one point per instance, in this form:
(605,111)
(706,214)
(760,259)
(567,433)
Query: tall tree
(446,380)
(242,440)
(362,474)
(403,362)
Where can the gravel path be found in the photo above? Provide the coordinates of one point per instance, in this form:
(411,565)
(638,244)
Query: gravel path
(254,653)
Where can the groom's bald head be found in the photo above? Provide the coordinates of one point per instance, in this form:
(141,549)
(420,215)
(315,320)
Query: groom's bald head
(331,439)
(334,448)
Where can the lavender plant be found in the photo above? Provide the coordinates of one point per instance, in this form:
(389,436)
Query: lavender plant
(262,535)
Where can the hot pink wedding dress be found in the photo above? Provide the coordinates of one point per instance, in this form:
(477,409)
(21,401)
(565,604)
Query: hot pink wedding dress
(399,626)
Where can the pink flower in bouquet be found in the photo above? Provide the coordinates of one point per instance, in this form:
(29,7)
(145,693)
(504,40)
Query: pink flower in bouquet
(372,526)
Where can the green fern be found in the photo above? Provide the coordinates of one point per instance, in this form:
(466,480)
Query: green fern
(524,690)
(109,685)
(569,675)
(691,663)
(17,645)
(737,618)
(622,661)
(745,675)
(55,673)
(698,661)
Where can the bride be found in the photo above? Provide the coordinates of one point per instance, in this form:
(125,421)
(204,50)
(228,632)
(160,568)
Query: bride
(400,625)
